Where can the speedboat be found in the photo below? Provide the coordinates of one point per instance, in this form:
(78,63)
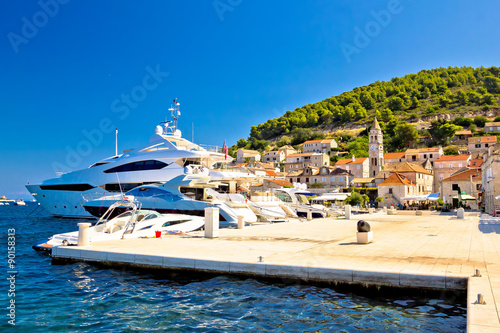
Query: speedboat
(186,194)
(20,202)
(163,158)
(297,201)
(134,222)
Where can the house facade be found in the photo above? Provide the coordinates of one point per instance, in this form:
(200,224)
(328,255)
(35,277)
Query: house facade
(491,179)
(243,154)
(492,127)
(395,188)
(300,161)
(274,156)
(422,154)
(479,145)
(447,165)
(469,181)
(359,167)
(319,146)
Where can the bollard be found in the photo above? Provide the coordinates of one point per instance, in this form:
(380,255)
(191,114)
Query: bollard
(83,233)
(480,299)
(211,222)
(309,215)
(478,273)
(347,212)
(241,223)
(460,213)
(370,211)
(385,209)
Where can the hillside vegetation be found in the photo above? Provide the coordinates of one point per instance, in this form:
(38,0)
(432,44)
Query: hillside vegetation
(449,90)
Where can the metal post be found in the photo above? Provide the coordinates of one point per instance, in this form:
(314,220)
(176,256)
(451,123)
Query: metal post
(83,233)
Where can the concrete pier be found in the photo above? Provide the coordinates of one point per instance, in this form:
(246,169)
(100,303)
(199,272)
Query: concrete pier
(428,251)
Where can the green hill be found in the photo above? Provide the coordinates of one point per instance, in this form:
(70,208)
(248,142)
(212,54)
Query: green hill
(451,90)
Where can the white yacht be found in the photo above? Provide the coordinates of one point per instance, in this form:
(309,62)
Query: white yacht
(134,222)
(163,158)
(187,194)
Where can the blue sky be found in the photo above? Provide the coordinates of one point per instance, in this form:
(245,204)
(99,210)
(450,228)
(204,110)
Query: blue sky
(67,67)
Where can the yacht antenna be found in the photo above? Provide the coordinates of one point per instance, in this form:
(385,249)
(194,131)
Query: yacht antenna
(174,109)
(192,132)
(116,141)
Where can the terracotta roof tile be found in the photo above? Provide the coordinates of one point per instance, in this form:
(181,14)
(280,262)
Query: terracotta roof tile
(344,161)
(279,182)
(411,167)
(488,139)
(464,176)
(395,179)
(394,155)
(461,157)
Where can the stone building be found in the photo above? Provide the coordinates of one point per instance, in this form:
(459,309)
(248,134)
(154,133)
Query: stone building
(274,156)
(243,154)
(319,146)
(491,179)
(492,127)
(423,154)
(395,188)
(447,165)
(468,180)
(300,161)
(359,167)
(478,145)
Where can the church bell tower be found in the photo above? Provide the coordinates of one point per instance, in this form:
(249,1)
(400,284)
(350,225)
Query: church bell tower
(376,149)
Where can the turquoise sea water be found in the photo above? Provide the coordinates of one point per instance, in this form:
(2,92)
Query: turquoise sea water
(83,298)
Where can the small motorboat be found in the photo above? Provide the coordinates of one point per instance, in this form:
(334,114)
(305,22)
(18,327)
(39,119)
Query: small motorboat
(133,223)
(20,202)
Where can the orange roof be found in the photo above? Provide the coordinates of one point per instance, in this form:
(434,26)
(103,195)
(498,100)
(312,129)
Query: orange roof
(320,141)
(302,154)
(461,157)
(488,139)
(344,161)
(466,132)
(422,150)
(464,176)
(394,155)
(476,162)
(279,182)
(239,165)
(256,185)
(396,179)
(410,167)
(271,173)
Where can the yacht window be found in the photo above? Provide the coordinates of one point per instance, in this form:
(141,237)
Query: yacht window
(68,187)
(166,224)
(150,217)
(285,197)
(97,164)
(138,166)
(126,214)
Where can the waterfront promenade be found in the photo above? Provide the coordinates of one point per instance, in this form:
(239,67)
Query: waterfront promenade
(428,251)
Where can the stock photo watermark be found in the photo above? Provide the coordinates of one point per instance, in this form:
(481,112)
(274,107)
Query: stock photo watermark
(31,26)
(224,6)
(120,106)
(363,36)
(11,276)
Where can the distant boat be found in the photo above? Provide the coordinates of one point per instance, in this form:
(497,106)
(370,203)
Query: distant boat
(20,202)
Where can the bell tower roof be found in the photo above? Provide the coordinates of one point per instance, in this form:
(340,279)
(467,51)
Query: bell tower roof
(376,124)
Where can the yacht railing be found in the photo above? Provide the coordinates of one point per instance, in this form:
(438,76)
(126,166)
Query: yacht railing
(213,149)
